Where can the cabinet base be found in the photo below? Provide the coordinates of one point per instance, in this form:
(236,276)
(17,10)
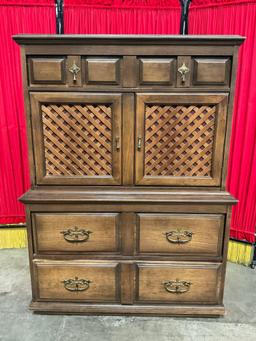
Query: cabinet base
(104,309)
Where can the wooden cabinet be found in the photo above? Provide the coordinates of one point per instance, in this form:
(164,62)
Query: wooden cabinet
(128,143)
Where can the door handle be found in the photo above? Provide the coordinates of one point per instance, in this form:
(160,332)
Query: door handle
(139,143)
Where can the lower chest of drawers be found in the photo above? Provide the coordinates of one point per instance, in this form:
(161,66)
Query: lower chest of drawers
(128,257)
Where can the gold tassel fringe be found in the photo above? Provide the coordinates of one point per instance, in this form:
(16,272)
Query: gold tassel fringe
(240,253)
(13,238)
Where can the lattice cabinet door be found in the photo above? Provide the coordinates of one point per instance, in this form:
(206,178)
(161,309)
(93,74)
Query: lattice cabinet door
(180,139)
(76,138)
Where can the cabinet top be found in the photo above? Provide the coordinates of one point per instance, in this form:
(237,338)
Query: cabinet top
(73,39)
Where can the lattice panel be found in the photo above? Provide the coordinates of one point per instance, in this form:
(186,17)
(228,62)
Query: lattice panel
(77,139)
(179,140)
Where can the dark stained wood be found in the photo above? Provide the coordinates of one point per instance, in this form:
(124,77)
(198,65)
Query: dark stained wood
(74,39)
(162,233)
(127,196)
(121,155)
(157,71)
(229,121)
(90,148)
(210,71)
(47,70)
(127,283)
(130,73)
(51,232)
(78,308)
(102,277)
(128,233)
(181,140)
(128,139)
(201,279)
(102,70)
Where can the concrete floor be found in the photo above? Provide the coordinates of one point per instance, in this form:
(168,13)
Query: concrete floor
(19,324)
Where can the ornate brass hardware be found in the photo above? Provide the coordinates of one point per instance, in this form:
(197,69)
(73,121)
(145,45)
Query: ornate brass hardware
(139,142)
(76,235)
(74,69)
(117,143)
(179,237)
(183,70)
(177,286)
(76,284)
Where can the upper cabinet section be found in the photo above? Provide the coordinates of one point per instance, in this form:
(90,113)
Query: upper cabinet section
(129,62)
(129,71)
(129,110)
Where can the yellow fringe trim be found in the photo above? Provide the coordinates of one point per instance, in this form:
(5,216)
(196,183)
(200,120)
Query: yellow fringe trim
(13,238)
(240,253)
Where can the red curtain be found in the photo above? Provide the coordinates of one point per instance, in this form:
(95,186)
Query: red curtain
(137,17)
(16,17)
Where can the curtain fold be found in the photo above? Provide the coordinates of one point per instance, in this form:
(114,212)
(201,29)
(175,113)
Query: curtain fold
(130,17)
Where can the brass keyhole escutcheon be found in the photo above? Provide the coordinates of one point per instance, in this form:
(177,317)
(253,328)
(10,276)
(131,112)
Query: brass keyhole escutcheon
(183,70)
(74,70)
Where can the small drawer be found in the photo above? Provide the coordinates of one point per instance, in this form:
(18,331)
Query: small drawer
(77,281)
(211,71)
(157,71)
(102,71)
(178,283)
(47,70)
(70,232)
(180,234)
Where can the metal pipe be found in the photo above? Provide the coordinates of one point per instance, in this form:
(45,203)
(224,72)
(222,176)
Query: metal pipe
(59,16)
(184,16)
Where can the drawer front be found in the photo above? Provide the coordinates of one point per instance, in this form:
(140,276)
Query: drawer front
(181,234)
(178,283)
(71,232)
(47,70)
(102,71)
(77,281)
(75,71)
(211,71)
(157,71)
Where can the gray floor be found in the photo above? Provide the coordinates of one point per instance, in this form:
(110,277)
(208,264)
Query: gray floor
(19,324)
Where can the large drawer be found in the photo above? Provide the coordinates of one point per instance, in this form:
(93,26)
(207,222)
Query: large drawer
(178,282)
(77,281)
(181,234)
(76,232)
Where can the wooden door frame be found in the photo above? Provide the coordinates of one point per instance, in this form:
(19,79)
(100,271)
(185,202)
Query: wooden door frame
(221,102)
(114,99)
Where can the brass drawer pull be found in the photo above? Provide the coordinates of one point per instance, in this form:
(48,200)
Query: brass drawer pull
(183,70)
(139,142)
(76,284)
(74,70)
(76,235)
(179,237)
(177,286)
